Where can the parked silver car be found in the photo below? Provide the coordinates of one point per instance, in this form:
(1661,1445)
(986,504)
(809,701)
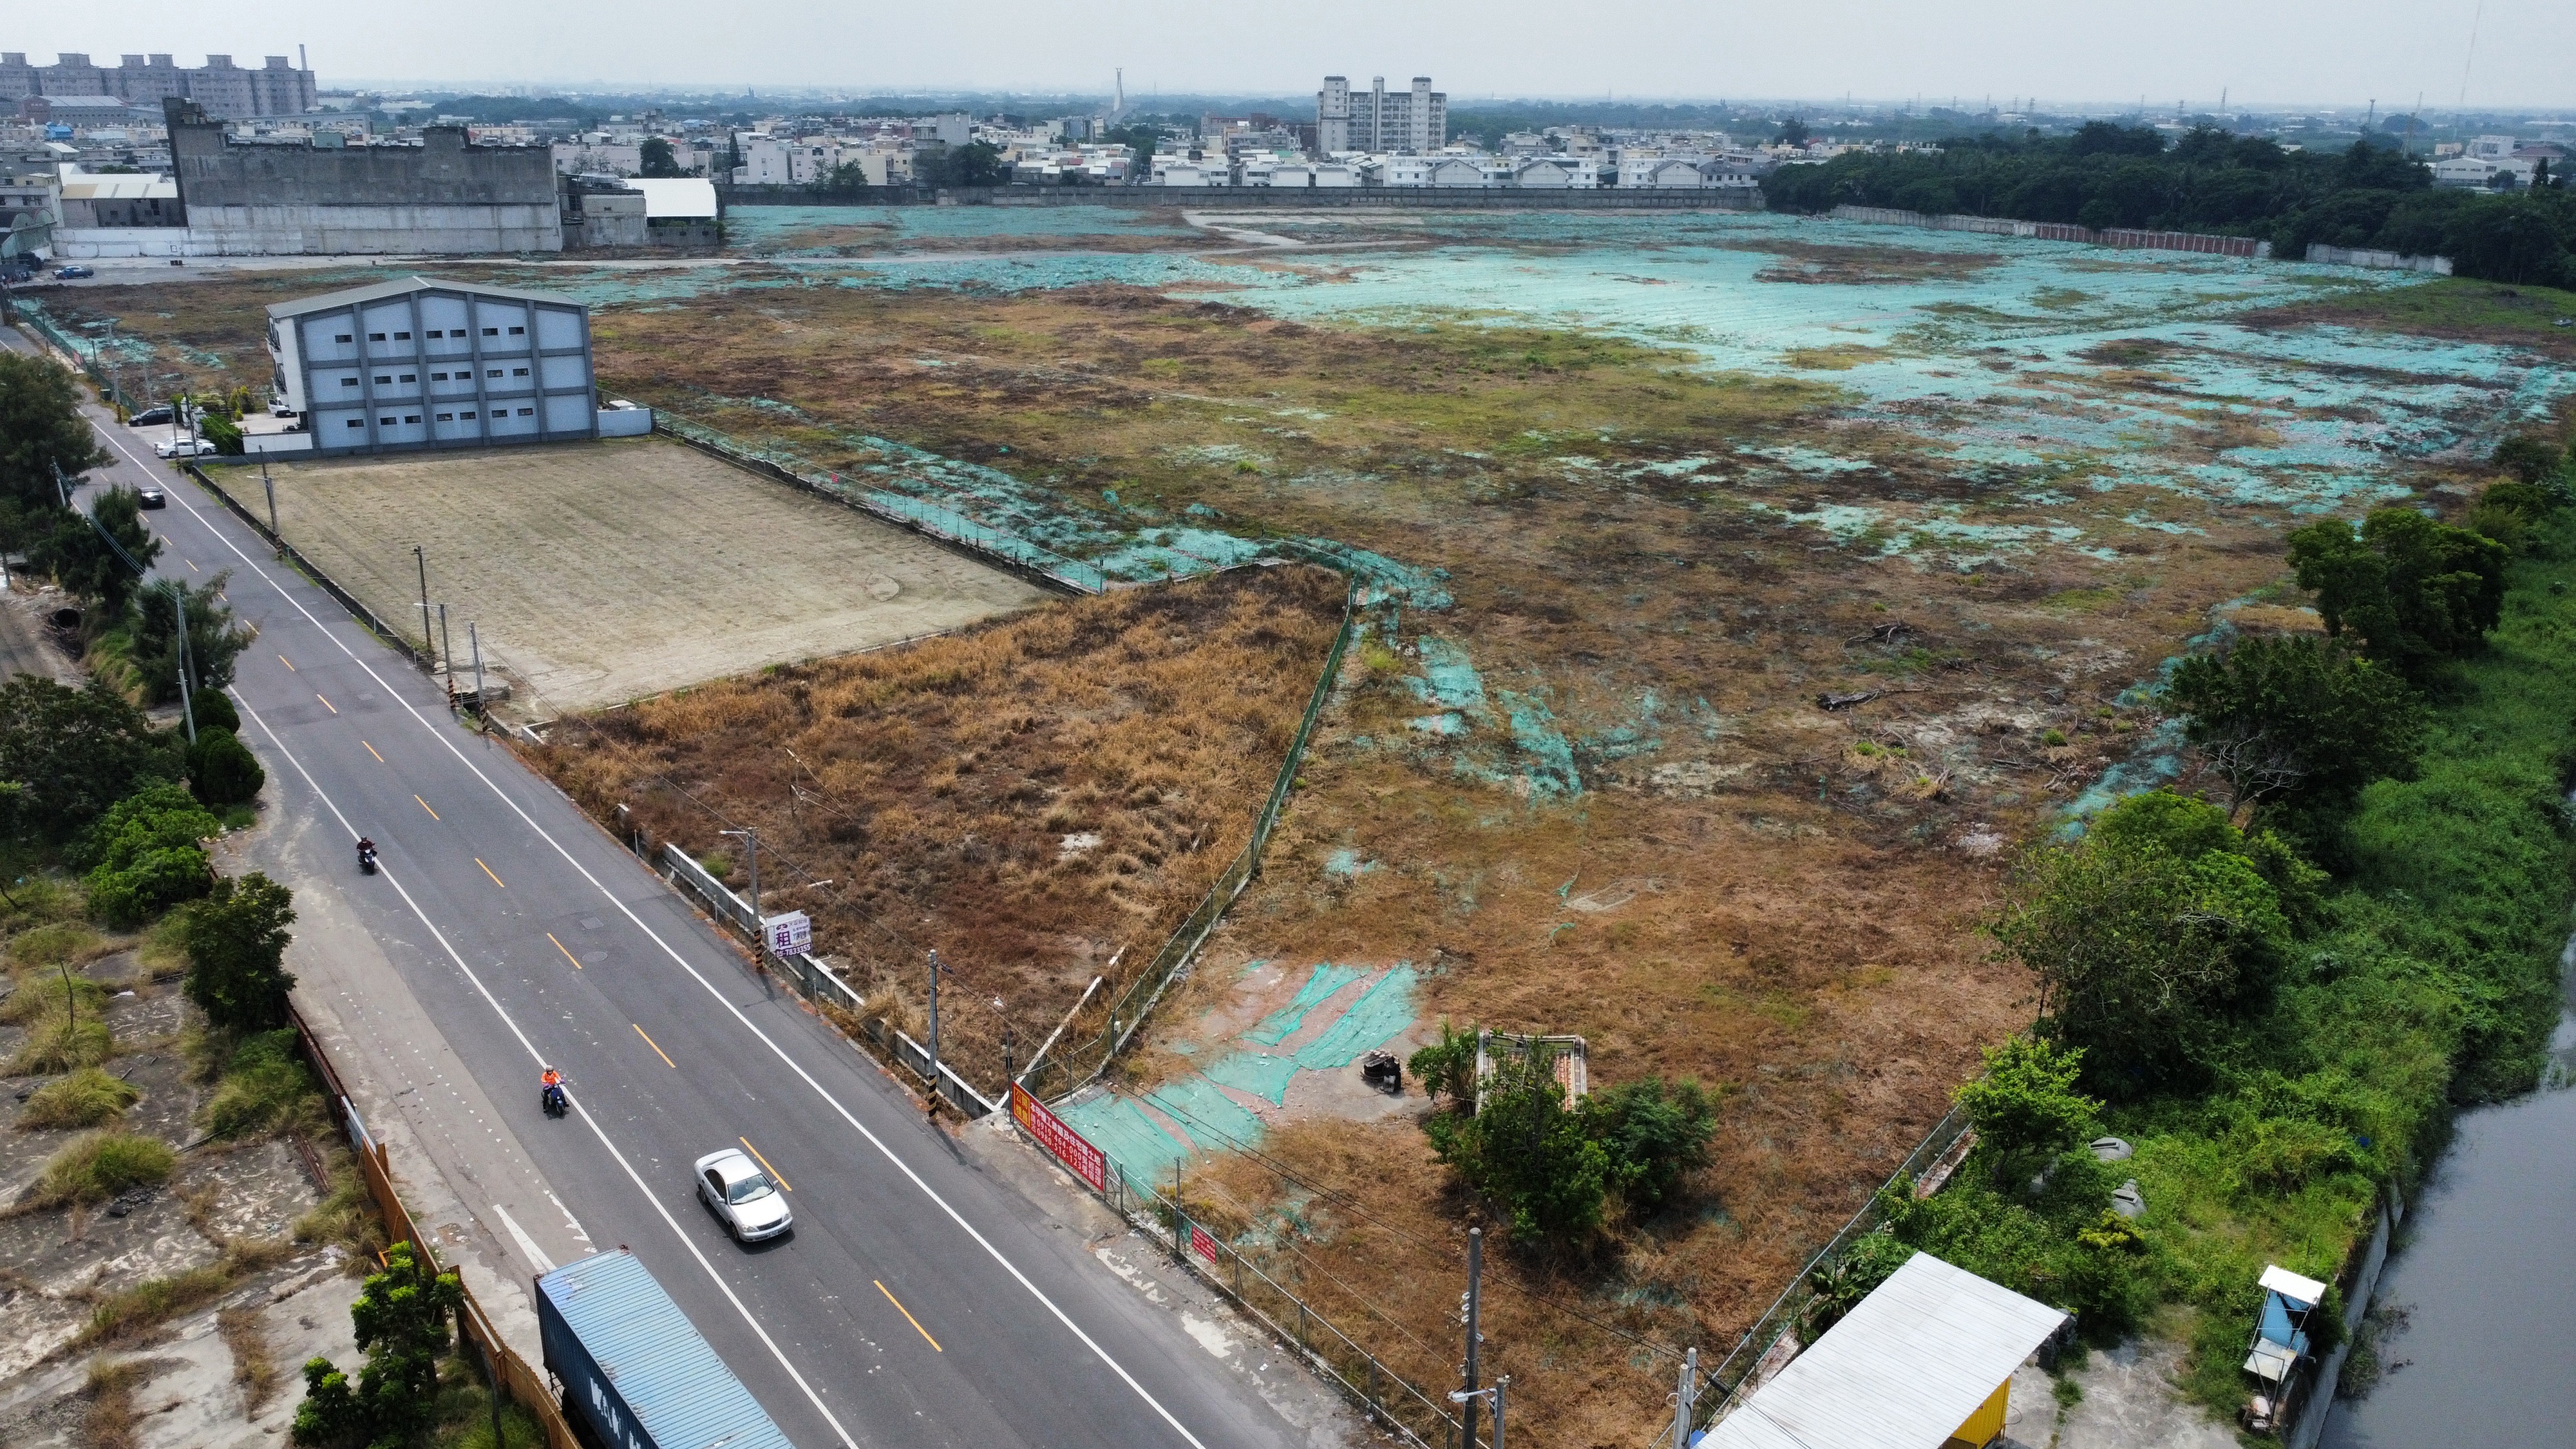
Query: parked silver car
(742,1196)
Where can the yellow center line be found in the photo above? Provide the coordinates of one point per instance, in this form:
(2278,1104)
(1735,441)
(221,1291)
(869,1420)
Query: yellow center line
(326,704)
(289,663)
(425,806)
(764,1162)
(907,1316)
(487,870)
(371,749)
(192,565)
(648,1041)
(575,960)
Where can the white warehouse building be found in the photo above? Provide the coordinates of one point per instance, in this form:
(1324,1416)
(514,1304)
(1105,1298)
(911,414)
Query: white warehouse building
(423,364)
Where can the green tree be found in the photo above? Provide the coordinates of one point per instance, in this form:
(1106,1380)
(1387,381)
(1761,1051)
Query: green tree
(2148,938)
(401,1318)
(2026,1101)
(1854,1274)
(2297,717)
(235,940)
(977,163)
(2527,457)
(1526,1154)
(41,431)
(1656,1135)
(73,753)
(1793,132)
(215,637)
(144,855)
(2416,591)
(659,159)
(81,561)
(221,769)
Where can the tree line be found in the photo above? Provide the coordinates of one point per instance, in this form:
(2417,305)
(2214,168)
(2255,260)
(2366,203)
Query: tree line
(2104,175)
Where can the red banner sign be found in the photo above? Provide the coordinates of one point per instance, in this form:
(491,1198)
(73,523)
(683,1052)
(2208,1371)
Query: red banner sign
(1202,1244)
(1081,1158)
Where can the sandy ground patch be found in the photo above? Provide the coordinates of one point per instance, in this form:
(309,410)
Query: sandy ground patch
(599,573)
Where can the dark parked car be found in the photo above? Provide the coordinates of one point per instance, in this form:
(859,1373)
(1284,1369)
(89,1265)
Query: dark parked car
(70,273)
(151,498)
(148,417)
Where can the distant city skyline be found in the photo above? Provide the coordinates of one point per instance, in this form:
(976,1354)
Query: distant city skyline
(2307,54)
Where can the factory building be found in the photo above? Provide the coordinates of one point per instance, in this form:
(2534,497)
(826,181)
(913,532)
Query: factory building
(419,363)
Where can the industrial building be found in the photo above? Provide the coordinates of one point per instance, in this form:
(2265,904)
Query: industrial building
(443,195)
(1378,120)
(224,90)
(419,363)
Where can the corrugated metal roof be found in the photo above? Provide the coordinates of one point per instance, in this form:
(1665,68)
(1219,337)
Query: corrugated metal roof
(2305,1292)
(670,1377)
(379,291)
(1903,1370)
(117,186)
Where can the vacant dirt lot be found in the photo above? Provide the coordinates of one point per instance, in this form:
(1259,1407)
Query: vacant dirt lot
(605,572)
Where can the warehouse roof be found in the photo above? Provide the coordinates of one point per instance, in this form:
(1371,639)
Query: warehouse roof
(1903,1370)
(380,291)
(676,197)
(119,186)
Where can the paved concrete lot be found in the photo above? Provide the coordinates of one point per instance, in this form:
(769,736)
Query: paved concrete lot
(603,572)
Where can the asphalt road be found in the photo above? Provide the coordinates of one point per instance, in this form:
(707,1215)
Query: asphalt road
(920,1301)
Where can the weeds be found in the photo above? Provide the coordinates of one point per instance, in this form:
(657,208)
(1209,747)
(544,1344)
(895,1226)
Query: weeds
(109,1422)
(253,1369)
(46,994)
(62,1044)
(91,1169)
(264,1089)
(86,1098)
(127,1316)
(346,1217)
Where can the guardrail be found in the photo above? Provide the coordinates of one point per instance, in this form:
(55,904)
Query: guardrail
(1082,1061)
(525,1385)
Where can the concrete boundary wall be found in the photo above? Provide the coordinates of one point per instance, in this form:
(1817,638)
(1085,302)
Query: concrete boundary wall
(2124,237)
(2323,255)
(1246,198)
(401,228)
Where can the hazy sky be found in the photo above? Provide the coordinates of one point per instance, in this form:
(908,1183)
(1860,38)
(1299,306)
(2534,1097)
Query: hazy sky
(2302,50)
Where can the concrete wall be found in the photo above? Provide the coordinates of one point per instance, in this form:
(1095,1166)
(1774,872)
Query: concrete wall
(441,196)
(2325,255)
(92,243)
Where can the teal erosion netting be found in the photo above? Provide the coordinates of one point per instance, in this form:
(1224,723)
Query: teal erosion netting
(1194,1113)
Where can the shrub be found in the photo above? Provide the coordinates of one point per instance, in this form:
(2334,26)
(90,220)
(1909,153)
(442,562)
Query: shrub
(2415,591)
(96,1167)
(53,944)
(214,710)
(62,1044)
(1529,1156)
(1839,1286)
(2298,717)
(1656,1134)
(2526,457)
(401,1319)
(2026,1100)
(221,769)
(1447,1067)
(49,995)
(86,1098)
(261,1089)
(75,752)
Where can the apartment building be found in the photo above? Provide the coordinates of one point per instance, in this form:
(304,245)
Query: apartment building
(1408,122)
(225,91)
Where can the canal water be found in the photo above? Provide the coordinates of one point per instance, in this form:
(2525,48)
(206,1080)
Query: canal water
(2486,1355)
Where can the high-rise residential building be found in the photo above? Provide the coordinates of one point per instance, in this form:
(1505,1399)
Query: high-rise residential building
(226,92)
(1380,120)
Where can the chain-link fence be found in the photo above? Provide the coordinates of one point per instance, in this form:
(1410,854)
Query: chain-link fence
(1094,1039)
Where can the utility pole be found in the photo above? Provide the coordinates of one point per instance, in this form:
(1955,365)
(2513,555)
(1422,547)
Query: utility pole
(934,1023)
(475,642)
(1686,1399)
(443,648)
(422,558)
(1496,1393)
(751,861)
(187,686)
(1473,1298)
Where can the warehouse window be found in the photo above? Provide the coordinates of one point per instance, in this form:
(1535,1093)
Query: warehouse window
(375,337)
(411,377)
(518,372)
(357,422)
(344,337)
(524,412)
(491,331)
(388,421)
(496,372)
(438,377)
(402,337)
(433,332)
(447,417)
(469,417)
(384,377)
(518,331)
(411,417)
(348,382)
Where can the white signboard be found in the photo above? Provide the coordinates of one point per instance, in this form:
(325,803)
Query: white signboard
(789,935)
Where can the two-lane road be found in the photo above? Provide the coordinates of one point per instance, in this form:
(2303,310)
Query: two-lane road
(920,1301)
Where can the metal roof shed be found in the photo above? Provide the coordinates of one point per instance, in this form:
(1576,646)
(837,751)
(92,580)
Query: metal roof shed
(1926,1353)
(633,1365)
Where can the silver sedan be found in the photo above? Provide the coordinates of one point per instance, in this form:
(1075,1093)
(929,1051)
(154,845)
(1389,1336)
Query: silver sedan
(742,1196)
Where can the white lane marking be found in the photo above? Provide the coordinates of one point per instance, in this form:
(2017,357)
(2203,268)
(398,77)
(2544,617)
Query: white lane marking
(721,999)
(534,1055)
(573,1223)
(527,1245)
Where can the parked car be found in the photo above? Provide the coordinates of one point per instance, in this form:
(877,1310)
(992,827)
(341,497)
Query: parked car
(742,1197)
(151,498)
(281,409)
(68,274)
(185,448)
(148,417)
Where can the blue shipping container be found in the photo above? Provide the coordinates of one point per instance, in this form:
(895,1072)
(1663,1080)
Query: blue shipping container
(633,1365)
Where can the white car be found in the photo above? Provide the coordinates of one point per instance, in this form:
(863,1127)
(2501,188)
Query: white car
(742,1197)
(184,448)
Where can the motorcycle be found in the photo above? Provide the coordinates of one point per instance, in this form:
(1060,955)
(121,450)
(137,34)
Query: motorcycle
(551,1098)
(366,859)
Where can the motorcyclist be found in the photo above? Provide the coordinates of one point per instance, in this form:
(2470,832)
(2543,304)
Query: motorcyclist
(550,1090)
(366,846)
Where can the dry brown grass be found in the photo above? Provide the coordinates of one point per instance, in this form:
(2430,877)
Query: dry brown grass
(109,1421)
(936,785)
(253,1367)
